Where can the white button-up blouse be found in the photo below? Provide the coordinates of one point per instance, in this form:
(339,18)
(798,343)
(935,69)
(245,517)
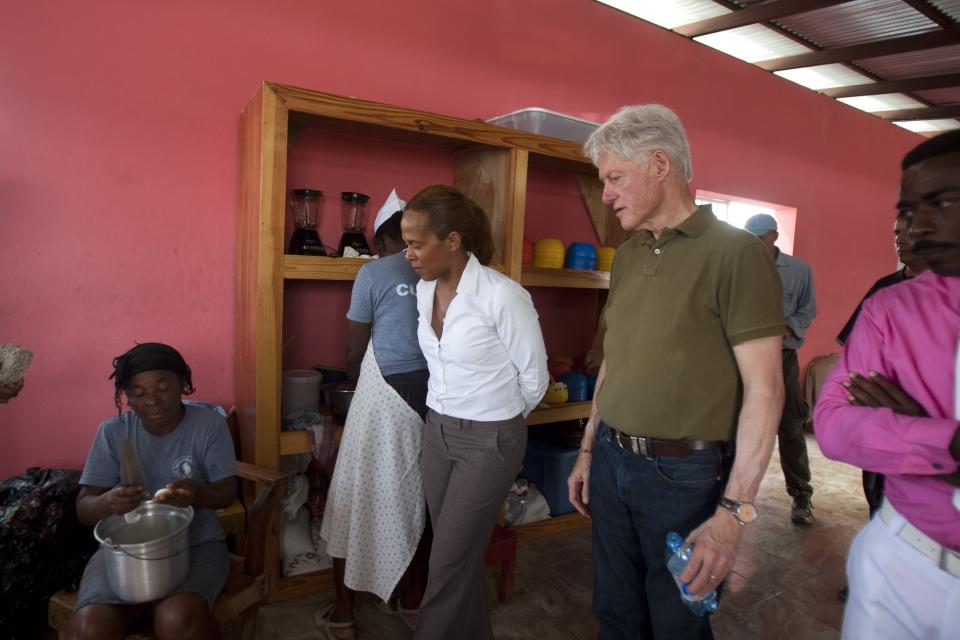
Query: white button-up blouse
(490,363)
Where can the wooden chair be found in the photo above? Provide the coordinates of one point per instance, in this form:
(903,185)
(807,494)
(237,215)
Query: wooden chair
(248,584)
(233,519)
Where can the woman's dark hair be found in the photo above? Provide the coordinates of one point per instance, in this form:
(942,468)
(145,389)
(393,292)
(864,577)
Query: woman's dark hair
(390,229)
(149,356)
(448,210)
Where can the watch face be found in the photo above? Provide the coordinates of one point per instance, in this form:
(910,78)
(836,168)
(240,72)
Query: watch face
(747,513)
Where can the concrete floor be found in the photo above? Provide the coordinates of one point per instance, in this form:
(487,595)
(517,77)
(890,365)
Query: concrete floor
(784,585)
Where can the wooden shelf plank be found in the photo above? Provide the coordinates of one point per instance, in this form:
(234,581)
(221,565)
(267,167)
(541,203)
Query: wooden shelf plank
(295,442)
(567,278)
(559,413)
(321,268)
(551,526)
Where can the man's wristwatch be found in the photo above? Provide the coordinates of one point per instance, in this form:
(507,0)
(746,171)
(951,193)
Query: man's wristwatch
(744,512)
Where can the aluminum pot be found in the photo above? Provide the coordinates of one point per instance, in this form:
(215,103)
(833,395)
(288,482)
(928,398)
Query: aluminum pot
(148,558)
(339,396)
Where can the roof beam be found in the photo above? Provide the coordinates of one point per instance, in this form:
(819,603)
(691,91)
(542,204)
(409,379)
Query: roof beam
(874,49)
(750,15)
(894,86)
(931,113)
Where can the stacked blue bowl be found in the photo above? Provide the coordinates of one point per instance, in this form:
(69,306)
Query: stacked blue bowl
(581,255)
(591,385)
(576,385)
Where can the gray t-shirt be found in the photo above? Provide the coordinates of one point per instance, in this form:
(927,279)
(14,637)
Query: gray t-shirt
(385,294)
(199,448)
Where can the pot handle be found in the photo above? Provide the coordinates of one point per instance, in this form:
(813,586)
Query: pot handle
(116,547)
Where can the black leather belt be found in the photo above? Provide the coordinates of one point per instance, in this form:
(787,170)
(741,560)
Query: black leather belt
(651,447)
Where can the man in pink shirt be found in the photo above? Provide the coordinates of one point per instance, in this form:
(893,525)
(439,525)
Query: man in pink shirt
(890,407)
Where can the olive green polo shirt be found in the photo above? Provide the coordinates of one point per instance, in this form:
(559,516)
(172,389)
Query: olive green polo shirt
(678,304)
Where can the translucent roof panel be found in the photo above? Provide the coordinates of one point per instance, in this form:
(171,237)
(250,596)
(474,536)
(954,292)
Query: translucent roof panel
(923,126)
(858,22)
(753,43)
(669,14)
(824,76)
(882,102)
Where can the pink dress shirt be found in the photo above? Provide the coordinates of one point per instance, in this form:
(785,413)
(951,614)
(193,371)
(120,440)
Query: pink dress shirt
(908,333)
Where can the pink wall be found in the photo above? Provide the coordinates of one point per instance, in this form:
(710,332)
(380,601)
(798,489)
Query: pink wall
(118,175)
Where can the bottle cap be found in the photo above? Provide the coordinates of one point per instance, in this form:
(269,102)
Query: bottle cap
(674,541)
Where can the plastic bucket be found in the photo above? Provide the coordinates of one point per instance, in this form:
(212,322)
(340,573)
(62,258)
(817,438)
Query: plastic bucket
(301,390)
(148,558)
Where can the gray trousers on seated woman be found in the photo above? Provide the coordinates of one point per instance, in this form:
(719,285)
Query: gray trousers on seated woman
(468,467)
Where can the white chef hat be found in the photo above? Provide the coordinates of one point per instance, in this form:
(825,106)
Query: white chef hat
(390,207)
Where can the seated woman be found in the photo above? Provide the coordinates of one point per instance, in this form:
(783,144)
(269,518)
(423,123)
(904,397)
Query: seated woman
(184,449)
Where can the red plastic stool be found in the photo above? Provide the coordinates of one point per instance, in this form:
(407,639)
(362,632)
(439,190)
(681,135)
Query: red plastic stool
(503,551)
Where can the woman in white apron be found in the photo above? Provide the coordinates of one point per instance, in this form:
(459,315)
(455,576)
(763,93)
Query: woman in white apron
(374,522)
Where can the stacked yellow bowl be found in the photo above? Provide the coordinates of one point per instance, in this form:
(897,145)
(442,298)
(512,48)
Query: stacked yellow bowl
(548,253)
(605,258)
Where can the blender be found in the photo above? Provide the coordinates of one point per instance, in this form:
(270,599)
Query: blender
(353,214)
(305,207)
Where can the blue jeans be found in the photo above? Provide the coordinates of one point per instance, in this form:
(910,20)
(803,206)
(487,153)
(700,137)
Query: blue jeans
(635,501)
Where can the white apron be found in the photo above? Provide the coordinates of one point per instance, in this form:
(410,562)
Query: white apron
(376,510)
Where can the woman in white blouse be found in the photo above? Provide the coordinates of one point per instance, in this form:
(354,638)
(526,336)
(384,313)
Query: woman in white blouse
(481,338)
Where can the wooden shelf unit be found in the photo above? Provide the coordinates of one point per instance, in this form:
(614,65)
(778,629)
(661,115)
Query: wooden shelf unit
(489,164)
(559,413)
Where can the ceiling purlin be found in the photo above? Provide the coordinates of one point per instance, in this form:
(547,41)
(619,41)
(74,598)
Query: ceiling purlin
(944,81)
(874,49)
(928,113)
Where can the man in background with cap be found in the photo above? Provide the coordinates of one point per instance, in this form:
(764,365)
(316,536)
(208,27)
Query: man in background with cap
(799,310)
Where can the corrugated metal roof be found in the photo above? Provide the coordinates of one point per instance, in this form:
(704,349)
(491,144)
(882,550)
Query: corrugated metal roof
(857,22)
(927,62)
(898,70)
(949,7)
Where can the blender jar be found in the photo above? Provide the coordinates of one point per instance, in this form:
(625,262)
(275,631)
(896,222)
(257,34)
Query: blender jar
(353,212)
(305,208)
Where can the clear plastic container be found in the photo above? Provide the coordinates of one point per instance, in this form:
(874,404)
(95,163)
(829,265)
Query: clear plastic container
(547,123)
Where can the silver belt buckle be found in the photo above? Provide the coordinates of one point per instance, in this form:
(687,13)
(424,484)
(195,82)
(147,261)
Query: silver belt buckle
(952,568)
(642,445)
(639,446)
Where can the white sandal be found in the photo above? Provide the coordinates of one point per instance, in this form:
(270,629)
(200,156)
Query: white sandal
(333,630)
(392,608)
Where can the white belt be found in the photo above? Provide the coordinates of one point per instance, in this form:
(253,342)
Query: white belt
(947,558)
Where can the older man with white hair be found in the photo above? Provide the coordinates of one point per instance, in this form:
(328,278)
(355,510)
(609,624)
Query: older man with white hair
(691,371)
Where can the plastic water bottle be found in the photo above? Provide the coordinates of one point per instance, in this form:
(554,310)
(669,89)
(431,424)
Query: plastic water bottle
(678,555)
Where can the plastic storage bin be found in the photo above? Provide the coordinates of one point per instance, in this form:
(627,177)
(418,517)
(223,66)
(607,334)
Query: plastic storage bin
(548,123)
(548,466)
(301,390)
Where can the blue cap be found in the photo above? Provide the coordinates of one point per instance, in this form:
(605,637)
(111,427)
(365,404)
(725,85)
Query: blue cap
(761,224)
